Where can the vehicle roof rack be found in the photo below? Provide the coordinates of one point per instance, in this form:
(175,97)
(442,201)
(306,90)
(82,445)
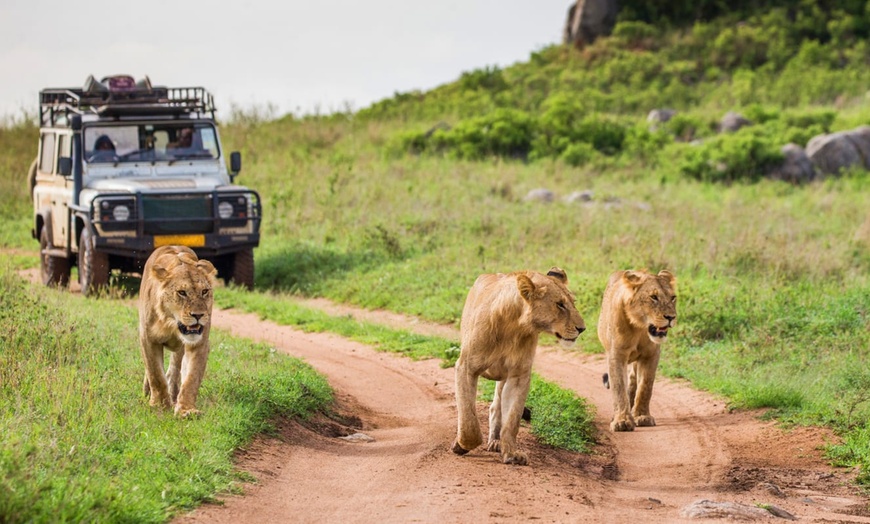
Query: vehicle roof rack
(118,96)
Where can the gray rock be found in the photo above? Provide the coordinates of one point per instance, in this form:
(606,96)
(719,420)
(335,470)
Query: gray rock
(796,166)
(832,153)
(579,196)
(358,437)
(732,121)
(707,509)
(589,19)
(540,195)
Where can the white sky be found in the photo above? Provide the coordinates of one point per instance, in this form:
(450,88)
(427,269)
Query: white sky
(300,55)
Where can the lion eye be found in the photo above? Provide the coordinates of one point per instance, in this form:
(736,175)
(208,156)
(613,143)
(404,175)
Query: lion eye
(182,293)
(561,305)
(204,292)
(674,298)
(655,298)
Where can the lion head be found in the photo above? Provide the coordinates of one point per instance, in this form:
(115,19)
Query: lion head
(552,305)
(184,291)
(653,302)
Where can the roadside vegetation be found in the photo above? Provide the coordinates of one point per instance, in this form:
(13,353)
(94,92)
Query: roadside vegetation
(401,205)
(81,444)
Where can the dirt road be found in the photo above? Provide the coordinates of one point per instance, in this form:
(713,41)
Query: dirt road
(400,468)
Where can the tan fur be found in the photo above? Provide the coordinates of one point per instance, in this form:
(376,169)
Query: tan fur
(175,304)
(636,313)
(503,316)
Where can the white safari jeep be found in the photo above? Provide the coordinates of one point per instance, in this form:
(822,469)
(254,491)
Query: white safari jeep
(125,167)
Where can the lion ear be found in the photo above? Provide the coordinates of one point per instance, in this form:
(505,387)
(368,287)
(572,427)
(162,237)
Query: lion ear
(632,278)
(559,274)
(160,272)
(207,266)
(526,287)
(672,280)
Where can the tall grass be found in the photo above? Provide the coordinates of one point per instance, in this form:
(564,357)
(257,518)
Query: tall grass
(81,444)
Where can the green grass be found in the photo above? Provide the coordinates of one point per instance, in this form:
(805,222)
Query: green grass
(773,279)
(81,444)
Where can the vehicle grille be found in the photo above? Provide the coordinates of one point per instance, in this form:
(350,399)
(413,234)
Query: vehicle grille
(177,215)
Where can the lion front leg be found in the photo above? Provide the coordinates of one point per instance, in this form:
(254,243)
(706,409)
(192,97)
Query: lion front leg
(513,400)
(646,376)
(193,365)
(494,442)
(468,434)
(622,419)
(154,384)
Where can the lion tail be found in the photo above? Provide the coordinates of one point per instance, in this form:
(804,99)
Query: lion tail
(606,379)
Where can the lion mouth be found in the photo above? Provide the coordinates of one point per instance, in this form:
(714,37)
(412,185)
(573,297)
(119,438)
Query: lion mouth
(560,337)
(195,329)
(659,332)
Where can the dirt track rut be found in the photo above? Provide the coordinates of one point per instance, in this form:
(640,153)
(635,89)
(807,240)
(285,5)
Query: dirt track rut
(697,451)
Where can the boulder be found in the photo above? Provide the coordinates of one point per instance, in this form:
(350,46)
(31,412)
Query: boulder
(589,19)
(732,121)
(796,167)
(835,152)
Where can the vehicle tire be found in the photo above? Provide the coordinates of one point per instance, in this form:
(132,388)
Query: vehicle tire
(55,270)
(31,177)
(242,272)
(93,265)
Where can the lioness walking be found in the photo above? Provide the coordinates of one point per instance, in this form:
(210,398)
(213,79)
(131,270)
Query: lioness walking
(175,304)
(637,311)
(503,316)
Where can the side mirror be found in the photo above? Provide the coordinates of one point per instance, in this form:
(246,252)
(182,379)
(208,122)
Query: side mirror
(235,162)
(64,165)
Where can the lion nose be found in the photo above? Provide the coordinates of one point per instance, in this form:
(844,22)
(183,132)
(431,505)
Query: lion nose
(580,329)
(670,318)
(197,316)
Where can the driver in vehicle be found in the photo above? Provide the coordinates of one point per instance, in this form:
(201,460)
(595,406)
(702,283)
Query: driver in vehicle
(185,140)
(104,150)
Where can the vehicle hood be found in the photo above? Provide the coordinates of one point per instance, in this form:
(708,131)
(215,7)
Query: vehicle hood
(151,185)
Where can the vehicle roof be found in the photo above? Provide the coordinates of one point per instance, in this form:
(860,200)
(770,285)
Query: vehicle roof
(121,97)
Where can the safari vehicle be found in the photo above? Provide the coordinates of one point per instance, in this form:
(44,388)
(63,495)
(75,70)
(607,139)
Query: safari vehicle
(124,167)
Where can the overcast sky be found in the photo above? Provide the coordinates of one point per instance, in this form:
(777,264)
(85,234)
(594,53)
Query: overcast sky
(300,56)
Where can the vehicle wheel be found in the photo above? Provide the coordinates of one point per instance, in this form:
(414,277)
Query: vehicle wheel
(93,265)
(31,176)
(55,270)
(242,273)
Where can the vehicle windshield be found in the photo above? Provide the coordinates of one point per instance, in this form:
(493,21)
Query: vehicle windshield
(172,141)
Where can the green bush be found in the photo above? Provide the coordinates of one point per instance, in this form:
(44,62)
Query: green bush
(745,155)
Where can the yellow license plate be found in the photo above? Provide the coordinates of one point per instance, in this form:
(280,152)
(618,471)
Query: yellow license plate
(179,240)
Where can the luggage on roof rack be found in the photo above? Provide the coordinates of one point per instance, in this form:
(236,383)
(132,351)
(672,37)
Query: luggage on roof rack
(119,96)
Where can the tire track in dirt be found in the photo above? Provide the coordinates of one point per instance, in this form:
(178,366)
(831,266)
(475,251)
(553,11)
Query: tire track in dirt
(697,451)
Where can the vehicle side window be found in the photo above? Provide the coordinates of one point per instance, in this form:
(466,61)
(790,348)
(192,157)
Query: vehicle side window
(46,160)
(63,148)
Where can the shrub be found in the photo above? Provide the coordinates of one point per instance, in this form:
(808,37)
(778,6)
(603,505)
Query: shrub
(745,155)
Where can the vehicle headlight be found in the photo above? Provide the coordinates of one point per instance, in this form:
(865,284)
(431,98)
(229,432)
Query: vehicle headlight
(225,210)
(115,213)
(121,212)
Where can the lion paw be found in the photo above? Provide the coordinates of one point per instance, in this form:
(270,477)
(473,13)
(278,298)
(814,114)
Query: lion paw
(187,413)
(622,425)
(517,457)
(645,420)
(459,450)
(494,445)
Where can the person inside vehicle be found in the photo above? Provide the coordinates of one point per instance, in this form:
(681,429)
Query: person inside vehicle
(185,140)
(104,150)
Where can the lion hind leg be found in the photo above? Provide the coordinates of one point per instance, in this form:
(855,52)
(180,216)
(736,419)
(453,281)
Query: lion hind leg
(173,375)
(494,442)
